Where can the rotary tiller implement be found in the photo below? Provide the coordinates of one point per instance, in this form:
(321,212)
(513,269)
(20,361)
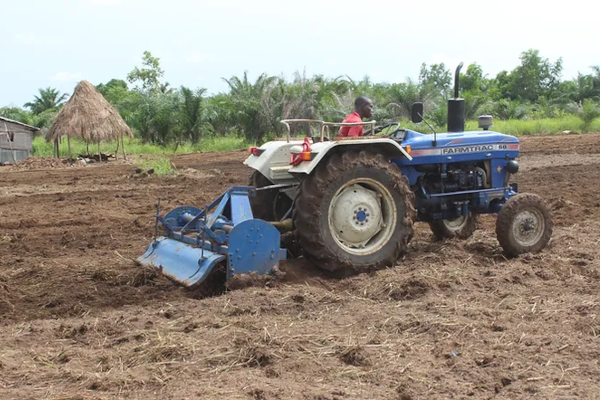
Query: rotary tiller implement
(195,241)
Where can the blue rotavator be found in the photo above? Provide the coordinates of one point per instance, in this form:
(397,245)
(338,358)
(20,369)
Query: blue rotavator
(349,204)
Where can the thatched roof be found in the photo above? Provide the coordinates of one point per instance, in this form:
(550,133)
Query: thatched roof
(89,116)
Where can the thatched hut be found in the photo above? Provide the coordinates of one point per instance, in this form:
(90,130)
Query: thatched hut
(88,115)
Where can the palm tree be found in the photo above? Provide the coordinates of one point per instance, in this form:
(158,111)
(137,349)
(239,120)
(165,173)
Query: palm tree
(49,99)
(191,114)
(251,104)
(403,95)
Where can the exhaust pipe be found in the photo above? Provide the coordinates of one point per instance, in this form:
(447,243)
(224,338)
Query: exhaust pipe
(456,107)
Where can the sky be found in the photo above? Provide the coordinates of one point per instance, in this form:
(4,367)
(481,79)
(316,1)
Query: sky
(57,43)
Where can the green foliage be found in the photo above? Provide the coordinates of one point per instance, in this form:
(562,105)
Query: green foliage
(176,120)
(191,115)
(252,107)
(42,120)
(541,126)
(41,148)
(49,99)
(149,75)
(17,114)
(115,91)
(535,77)
(437,77)
(160,165)
(589,112)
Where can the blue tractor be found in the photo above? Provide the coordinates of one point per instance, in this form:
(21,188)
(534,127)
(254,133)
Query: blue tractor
(350,204)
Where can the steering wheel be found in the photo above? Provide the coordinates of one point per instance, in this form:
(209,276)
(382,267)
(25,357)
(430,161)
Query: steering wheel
(381,128)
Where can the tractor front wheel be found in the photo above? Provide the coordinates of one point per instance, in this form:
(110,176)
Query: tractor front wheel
(524,225)
(462,227)
(354,212)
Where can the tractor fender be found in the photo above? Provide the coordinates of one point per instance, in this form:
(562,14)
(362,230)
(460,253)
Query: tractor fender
(274,160)
(388,147)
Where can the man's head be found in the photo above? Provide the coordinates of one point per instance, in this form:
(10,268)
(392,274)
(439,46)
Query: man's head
(363,106)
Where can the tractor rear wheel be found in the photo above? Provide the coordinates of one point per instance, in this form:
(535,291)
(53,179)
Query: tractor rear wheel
(524,225)
(268,205)
(354,212)
(462,227)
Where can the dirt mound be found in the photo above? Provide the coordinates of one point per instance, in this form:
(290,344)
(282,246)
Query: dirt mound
(34,163)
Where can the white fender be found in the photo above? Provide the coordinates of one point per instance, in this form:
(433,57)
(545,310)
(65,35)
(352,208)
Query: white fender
(274,159)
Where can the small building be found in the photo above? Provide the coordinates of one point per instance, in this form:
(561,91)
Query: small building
(15,140)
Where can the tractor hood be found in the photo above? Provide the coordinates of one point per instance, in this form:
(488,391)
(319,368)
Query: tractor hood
(460,143)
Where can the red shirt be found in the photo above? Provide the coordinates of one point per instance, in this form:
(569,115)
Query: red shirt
(356,130)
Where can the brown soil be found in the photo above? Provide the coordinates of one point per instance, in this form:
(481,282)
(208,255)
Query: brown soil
(455,319)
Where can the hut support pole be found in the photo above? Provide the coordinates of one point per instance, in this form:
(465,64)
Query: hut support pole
(57,148)
(87,147)
(123,147)
(117,151)
(69,144)
(99,153)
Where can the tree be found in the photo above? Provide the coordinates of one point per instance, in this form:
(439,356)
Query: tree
(49,99)
(401,97)
(535,77)
(436,76)
(474,88)
(191,114)
(149,75)
(473,80)
(114,90)
(17,114)
(251,105)
(589,112)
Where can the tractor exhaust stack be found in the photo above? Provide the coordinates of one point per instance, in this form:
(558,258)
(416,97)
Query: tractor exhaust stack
(456,107)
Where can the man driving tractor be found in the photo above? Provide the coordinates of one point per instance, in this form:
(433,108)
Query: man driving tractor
(363,108)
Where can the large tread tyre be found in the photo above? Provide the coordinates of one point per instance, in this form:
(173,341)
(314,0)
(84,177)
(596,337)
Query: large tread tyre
(268,205)
(460,228)
(524,225)
(343,185)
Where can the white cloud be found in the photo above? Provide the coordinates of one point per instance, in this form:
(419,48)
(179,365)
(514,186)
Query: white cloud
(198,57)
(28,38)
(67,76)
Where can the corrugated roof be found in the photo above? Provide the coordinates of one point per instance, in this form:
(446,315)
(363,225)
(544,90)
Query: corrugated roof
(18,123)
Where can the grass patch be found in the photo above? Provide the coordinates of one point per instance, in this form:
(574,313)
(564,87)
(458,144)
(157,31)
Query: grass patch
(516,127)
(160,165)
(547,126)
(542,126)
(41,148)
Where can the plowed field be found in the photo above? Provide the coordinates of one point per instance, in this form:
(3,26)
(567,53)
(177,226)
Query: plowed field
(455,319)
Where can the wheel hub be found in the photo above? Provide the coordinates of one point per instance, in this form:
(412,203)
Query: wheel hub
(362,216)
(356,216)
(528,227)
(456,224)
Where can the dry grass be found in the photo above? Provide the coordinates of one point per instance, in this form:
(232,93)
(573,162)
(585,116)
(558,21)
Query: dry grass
(89,116)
